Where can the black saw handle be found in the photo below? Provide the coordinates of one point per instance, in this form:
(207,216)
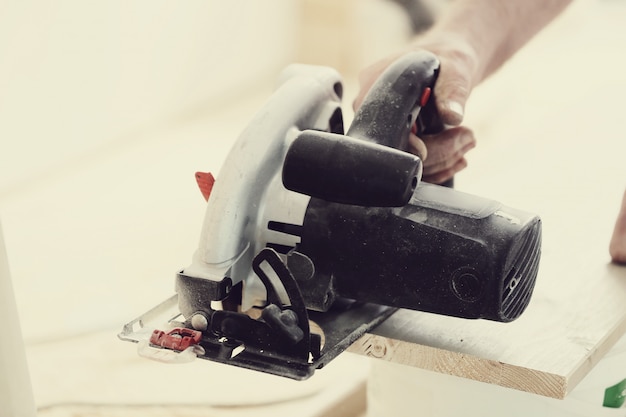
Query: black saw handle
(400,98)
(371,165)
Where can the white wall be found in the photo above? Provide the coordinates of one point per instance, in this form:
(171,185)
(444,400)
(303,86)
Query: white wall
(79,77)
(106,111)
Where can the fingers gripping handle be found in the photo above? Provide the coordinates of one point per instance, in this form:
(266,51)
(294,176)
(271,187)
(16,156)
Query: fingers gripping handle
(395,101)
(370,166)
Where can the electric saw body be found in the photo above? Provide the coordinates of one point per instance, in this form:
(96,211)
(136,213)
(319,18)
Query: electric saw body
(312,237)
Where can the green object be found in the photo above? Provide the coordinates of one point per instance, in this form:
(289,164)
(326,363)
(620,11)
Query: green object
(615,396)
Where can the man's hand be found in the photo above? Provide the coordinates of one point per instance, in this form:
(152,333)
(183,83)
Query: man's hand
(617,247)
(443,154)
(472,39)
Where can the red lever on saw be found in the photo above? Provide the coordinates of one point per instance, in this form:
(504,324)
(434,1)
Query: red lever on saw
(205,181)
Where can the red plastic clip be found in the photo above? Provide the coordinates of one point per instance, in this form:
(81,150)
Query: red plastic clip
(179,338)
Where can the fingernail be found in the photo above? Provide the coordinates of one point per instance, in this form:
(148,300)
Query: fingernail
(454,113)
(467,138)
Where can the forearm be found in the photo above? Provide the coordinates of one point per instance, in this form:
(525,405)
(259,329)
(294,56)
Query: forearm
(472,39)
(493,29)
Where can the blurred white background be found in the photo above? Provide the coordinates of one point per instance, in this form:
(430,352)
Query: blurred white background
(108,108)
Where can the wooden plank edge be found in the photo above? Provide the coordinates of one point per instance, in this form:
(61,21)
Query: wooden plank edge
(595,355)
(462,365)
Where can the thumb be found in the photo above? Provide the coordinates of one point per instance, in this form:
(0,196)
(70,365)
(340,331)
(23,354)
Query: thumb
(451,92)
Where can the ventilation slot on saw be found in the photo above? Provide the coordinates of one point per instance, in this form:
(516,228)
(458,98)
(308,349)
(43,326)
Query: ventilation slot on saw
(287,228)
(520,281)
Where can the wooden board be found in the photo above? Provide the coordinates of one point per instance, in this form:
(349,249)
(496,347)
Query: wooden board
(552,142)
(546,352)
